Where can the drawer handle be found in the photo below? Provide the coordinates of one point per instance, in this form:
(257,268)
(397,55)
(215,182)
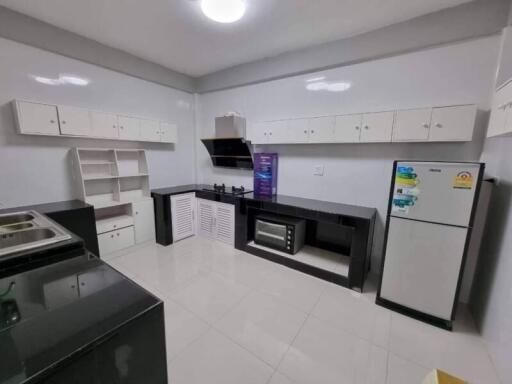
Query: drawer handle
(426,125)
(305,131)
(366,127)
(111,236)
(439,125)
(357,128)
(52,121)
(312,131)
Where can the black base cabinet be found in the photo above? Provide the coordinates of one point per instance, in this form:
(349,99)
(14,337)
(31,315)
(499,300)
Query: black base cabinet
(134,353)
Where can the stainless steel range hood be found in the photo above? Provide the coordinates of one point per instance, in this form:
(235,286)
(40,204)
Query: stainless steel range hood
(228,148)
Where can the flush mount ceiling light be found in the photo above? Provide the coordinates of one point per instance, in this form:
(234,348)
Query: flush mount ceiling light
(223,11)
(62,79)
(326,86)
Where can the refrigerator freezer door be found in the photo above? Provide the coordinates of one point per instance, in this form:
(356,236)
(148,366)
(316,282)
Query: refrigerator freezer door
(435,192)
(422,266)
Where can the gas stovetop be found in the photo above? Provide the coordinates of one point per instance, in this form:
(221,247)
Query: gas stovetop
(227,190)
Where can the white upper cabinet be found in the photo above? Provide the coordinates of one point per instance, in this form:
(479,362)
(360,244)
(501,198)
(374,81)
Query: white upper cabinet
(412,125)
(347,128)
(257,133)
(74,121)
(321,129)
(168,132)
(277,132)
(104,125)
(35,118)
(377,127)
(52,120)
(298,131)
(453,123)
(149,130)
(129,128)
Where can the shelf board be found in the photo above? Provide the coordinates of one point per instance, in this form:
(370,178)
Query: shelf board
(103,177)
(96,162)
(316,257)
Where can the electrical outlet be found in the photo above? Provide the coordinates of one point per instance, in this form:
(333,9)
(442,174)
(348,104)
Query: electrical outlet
(319,170)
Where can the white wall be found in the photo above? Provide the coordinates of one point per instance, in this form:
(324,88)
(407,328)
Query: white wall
(358,173)
(492,291)
(36,169)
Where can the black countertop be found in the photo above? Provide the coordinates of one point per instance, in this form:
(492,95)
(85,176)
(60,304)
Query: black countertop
(49,313)
(46,208)
(348,210)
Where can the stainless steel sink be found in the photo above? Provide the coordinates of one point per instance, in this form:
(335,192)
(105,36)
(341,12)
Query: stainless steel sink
(22,231)
(13,218)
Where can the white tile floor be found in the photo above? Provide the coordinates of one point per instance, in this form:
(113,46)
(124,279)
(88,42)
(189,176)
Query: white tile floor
(234,318)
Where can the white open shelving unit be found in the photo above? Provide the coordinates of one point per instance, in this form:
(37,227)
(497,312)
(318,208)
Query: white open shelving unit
(116,183)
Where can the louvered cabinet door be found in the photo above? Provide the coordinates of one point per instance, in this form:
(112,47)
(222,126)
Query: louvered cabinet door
(225,223)
(206,218)
(183,216)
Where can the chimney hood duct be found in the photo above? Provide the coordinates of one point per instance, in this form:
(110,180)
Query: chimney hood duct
(228,148)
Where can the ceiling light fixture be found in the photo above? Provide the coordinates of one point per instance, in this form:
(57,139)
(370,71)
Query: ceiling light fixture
(325,86)
(62,79)
(314,79)
(223,11)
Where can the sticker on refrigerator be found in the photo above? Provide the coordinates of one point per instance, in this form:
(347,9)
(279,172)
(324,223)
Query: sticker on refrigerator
(406,190)
(463,180)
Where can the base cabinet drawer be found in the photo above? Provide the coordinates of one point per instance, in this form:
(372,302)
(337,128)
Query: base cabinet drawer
(113,224)
(115,240)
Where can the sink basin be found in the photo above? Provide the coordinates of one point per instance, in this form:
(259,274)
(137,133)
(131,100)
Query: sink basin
(23,237)
(21,231)
(15,227)
(14,218)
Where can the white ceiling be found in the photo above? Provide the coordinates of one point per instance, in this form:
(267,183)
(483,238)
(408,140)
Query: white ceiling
(175,34)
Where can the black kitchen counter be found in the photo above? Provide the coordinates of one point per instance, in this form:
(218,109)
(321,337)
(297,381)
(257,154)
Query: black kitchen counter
(169,191)
(329,207)
(58,311)
(74,215)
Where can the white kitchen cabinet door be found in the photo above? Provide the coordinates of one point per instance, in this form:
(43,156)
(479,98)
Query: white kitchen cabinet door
(347,129)
(149,130)
(412,125)
(453,123)
(277,132)
(298,131)
(183,216)
(129,128)
(113,241)
(104,125)
(321,129)
(225,223)
(74,121)
(144,220)
(168,132)
(37,118)
(499,110)
(206,218)
(258,132)
(377,127)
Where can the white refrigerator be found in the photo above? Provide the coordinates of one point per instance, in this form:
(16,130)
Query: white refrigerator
(431,209)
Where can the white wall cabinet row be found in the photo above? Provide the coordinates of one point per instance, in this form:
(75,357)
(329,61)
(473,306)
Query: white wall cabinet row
(500,122)
(59,120)
(192,216)
(452,123)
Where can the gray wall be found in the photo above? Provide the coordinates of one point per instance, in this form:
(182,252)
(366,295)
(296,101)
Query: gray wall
(492,291)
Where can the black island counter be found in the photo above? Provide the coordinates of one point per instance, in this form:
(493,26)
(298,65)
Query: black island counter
(337,237)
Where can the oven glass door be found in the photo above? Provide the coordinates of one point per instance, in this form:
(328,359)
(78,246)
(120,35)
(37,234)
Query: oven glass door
(270,234)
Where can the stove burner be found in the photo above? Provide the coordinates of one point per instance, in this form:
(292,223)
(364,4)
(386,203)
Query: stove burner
(222,189)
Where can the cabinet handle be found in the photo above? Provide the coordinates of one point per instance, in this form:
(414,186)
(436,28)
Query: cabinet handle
(366,127)
(305,131)
(439,125)
(357,128)
(312,131)
(270,133)
(52,121)
(265,133)
(63,121)
(117,234)
(136,212)
(121,127)
(115,226)
(111,236)
(113,126)
(425,125)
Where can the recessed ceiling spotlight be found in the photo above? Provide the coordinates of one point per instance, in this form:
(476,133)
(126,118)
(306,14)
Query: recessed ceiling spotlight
(223,11)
